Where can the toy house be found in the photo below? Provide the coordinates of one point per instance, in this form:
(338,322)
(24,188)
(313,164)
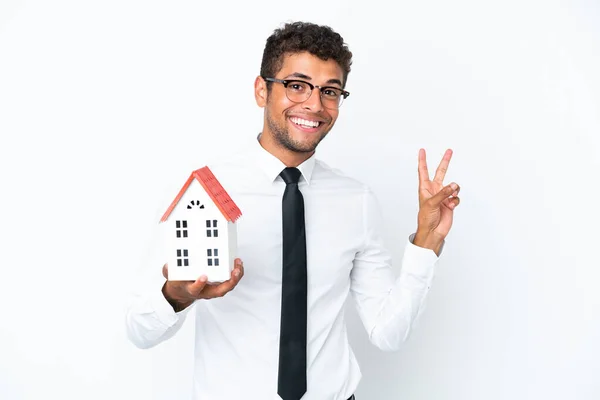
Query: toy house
(200,229)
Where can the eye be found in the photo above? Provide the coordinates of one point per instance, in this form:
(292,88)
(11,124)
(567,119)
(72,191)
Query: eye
(298,87)
(332,93)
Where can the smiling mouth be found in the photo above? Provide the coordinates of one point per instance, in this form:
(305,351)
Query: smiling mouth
(305,123)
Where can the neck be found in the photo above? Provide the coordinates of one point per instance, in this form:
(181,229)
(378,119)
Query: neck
(286,156)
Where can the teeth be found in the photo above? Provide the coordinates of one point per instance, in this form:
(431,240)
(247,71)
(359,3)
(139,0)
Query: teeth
(305,123)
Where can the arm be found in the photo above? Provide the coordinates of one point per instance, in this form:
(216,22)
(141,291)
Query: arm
(150,318)
(388,306)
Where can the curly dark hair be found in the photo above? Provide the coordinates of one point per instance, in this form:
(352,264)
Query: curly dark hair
(319,40)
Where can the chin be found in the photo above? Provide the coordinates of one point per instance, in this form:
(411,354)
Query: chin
(293,138)
(302,146)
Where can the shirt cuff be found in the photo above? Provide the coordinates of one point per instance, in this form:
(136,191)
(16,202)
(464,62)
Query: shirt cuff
(164,311)
(419,260)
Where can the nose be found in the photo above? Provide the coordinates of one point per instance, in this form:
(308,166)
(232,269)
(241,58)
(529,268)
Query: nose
(313,103)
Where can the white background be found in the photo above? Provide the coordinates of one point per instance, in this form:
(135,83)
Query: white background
(102,103)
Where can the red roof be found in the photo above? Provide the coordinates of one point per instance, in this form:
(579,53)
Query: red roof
(219,196)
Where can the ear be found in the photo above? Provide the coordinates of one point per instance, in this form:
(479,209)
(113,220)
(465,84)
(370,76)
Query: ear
(260,91)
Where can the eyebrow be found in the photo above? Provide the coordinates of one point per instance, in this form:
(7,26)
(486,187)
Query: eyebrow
(303,76)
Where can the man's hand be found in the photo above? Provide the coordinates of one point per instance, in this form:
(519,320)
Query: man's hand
(181,294)
(436,204)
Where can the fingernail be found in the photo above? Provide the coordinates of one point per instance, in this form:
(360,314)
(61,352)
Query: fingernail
(454,186)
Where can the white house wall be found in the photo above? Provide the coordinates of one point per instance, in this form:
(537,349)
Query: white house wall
(197,243)
(232,242)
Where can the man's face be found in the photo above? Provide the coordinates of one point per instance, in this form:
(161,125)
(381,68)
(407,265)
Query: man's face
(300,127)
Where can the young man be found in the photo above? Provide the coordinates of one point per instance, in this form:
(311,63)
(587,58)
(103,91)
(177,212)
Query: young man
(310,236)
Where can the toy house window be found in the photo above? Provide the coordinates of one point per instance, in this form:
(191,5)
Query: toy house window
(181,229)
(213,257)
(182,258)
(195,204)
(214,232)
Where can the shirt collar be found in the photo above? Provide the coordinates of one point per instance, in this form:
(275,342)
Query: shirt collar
(272,166)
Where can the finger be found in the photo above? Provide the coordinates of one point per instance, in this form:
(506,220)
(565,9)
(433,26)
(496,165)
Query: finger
(165,271)
(219,290)
(197,286)
(454,203)
(456,192)
(222,289)
(423,172)
(443,194)
(239,264)
(440,173)
(238,270)
(236,275)
(451,202)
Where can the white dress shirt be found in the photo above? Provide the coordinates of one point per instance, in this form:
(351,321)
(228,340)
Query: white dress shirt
(238,335)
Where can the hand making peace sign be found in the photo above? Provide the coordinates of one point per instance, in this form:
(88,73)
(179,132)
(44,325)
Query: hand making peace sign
(436,203)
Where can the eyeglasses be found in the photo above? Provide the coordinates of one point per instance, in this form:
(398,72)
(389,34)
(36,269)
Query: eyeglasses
(300,91)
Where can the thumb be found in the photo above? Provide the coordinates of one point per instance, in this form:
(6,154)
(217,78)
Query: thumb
(165,271)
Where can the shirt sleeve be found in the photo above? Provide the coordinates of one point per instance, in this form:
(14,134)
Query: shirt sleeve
(149,317)
(389,306)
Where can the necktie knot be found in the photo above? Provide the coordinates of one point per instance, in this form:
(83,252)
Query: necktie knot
(290,175)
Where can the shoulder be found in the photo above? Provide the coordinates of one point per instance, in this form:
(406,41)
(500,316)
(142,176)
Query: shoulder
(332,176)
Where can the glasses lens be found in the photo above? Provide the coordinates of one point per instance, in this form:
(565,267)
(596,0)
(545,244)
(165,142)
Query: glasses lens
(332,98)
(298,91)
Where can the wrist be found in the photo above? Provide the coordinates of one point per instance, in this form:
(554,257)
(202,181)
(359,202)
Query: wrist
(428,240)
(178,303)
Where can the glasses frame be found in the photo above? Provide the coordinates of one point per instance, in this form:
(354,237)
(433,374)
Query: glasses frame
(286,82)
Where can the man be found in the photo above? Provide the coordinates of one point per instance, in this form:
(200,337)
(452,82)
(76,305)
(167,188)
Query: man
(309,237)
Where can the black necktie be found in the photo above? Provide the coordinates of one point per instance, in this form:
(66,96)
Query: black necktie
(291,383)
